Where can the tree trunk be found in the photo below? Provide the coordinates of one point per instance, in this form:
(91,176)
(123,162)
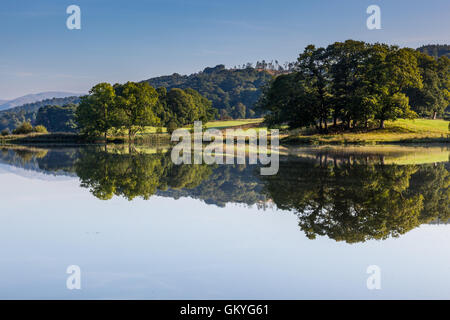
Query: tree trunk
(335,121)
(434,115)
(381,124)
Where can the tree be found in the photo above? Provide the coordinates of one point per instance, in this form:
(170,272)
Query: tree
(136,105)
(286,101)
(40,129)
(347,60)
(24,128)
(313,71)
(225,88)
(203,107)
(187,106)
(57,119)
(96,113)
(391,71)
(432,99)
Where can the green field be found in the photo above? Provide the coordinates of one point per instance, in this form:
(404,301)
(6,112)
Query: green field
(400,131)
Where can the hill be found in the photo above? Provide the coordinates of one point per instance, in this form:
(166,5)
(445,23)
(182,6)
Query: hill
(11,118)
(436,50)
(233,92)
(35,97)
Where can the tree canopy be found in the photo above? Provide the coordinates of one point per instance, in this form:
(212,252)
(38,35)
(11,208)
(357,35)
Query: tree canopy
(356,82)
(133,106)
(233,92)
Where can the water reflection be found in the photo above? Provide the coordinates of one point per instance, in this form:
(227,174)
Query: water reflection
(346,194)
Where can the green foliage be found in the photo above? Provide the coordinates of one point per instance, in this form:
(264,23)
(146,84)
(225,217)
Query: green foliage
(228,89)
(353,82)
(13,117)
(433,98)
(95,114)
(134,106)
(171,126)
(57,119)
(40,129)
(436,50)
(24,128)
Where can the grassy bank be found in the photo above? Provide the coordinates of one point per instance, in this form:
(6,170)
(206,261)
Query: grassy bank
(396,132)
(400,131)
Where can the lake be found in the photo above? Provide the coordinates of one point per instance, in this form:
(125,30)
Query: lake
(140,227)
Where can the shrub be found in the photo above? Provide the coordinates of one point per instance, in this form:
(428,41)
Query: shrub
(40,129)
(171,127)
(24,128)
(5,132)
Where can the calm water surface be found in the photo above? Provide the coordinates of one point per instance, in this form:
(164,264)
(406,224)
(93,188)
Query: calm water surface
(141,227)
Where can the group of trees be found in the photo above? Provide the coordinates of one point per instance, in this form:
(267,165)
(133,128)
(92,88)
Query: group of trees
(233,92)
(12,118)
(355,82)
(272,66)
(57,119)
(133,106)
(25,128)
(436,50)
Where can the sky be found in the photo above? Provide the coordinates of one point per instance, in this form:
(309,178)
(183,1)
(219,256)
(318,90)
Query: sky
(134,40)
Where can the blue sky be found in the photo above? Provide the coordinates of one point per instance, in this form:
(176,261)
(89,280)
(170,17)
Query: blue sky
(137,39)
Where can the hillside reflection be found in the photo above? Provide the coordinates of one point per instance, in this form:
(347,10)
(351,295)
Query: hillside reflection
(344,195)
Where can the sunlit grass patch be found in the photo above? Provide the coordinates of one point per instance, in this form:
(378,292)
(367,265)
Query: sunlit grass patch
(400,131)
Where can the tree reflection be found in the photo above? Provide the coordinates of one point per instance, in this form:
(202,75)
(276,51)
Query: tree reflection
(134,174)
(347,197)
(355,201)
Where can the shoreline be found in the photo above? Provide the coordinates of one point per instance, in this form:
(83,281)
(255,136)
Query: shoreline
(289,141)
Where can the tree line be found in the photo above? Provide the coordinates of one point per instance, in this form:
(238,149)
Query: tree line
(134,106)
(353,83)
(233,92)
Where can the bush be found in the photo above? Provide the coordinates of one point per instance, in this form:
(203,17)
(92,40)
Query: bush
(24,128)
(5,132)
(171,127)
(40,129)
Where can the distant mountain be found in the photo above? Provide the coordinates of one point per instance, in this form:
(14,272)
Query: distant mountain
(34,97)
(233,92)
(3,101)
(436,50)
